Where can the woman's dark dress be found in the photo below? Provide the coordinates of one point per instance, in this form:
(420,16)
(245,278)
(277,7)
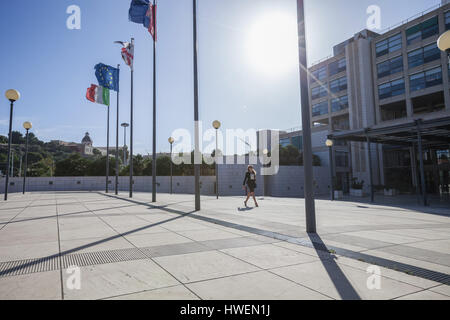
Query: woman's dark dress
(250,180)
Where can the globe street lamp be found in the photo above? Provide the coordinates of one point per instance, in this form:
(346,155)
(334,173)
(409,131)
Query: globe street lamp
(444,43)
(27,126)
(124,126)
(216,125)
(171,141)
(12,95)
(329,143)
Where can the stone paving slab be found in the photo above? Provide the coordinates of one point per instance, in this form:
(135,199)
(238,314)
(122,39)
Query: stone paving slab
(221,252)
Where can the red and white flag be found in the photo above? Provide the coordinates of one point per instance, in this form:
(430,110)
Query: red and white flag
(151,14)
(127,53)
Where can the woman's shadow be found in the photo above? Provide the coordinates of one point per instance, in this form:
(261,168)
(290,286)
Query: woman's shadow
(245,209)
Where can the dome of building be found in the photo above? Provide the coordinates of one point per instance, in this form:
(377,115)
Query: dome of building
(87,139)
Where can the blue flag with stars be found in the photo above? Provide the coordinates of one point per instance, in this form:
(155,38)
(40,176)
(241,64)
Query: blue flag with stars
(107,76)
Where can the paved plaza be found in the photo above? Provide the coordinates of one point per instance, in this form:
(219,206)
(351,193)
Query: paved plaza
(133,249)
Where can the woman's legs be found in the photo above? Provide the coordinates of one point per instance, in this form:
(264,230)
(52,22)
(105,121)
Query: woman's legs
(248,197)
(254,198)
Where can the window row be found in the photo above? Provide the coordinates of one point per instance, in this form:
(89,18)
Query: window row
(426,79)
(422,31)
(415,58)
(319,92)
(337,104)
(389,67)
(391,89)
(414,34)
(424,55)
(338,85)
(333,68)
(389,45)
(417,81)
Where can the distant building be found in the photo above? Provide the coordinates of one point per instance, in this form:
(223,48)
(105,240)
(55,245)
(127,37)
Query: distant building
(86,147)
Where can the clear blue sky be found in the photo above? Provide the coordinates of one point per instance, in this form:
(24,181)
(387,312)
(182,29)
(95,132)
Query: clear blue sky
(52,66)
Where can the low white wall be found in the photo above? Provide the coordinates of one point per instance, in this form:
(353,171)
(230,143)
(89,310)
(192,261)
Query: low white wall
(183,185)
(289,182)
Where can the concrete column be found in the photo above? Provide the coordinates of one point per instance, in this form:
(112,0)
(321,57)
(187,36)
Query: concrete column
(422,167)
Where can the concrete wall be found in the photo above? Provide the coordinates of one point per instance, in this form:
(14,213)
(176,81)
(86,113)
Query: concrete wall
(183,185)
(287,183)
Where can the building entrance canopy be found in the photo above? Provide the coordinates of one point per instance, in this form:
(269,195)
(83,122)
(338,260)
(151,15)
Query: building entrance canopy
(423,134)
(434,133)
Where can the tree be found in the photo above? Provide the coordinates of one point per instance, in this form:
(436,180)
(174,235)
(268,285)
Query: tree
(74,166)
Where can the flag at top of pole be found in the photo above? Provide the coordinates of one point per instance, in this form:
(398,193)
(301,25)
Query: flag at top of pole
(107,76)
(144,12)
(127,53)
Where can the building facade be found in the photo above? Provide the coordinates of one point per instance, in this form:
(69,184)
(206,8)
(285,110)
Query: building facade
(379,81)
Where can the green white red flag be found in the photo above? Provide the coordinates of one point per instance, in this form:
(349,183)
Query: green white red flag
(98,94)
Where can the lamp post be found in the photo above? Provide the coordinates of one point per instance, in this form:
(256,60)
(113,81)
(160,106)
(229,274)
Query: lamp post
(171,141)
(443,43)
(329,143)
(27,126)
(12,95)
(216,125)
(125,126)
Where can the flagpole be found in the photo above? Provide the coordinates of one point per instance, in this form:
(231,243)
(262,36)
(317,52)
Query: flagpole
(196,113)
(131,128)
(117,137)
(154,106)
(107,153)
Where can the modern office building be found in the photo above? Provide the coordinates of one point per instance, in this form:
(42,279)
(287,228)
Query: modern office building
(377,97)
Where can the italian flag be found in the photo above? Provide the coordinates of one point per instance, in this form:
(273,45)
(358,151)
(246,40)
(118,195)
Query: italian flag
(98,94)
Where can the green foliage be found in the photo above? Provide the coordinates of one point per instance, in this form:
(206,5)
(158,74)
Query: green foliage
(291,156)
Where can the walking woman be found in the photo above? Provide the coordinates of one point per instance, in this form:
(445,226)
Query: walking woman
(250,180)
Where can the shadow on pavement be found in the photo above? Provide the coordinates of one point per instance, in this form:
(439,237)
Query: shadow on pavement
(340,281)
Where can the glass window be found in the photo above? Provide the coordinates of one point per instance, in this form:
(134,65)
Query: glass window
(339,104)
(397,87)
(423,30)
(337,66)
(433,77)
(298,142)
(447,20)
(424,55)
(319,92)
(338,85)
(384,69)
(431,53)
(391,89)
(320,109)
(415,58)
(285,142)
(417,82)
(382,48)
(426,79)
(390,67)
(389,45)
(319,74)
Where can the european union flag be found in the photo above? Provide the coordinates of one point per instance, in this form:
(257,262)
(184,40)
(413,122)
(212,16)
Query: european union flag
(107,76)
(138,12)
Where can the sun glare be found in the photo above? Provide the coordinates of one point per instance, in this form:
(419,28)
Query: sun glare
(272,45)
